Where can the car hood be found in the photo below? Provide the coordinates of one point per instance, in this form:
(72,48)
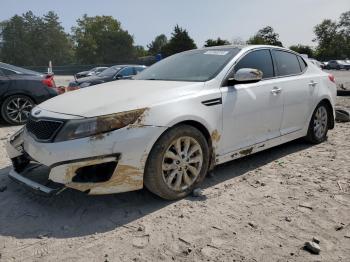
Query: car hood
(83,73)
(92,79)
(119,96)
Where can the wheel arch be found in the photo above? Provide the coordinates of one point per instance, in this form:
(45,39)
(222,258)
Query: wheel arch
(10,93)
(327,102)
(206,133)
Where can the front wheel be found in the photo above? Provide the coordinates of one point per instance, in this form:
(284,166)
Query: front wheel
(318,127)
(16,109)
(177,162)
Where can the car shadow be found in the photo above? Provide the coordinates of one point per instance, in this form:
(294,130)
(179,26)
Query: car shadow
(74,214)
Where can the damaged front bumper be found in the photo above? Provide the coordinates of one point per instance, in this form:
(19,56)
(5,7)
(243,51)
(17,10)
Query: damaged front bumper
(45,189)
(112,164)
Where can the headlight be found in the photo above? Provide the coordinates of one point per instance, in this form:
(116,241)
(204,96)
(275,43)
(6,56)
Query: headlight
(75,129)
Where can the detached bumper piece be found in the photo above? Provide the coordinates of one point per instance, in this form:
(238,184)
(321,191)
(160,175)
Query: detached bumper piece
(35,177)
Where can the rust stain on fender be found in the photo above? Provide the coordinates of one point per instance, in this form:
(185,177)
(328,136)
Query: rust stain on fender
(125,178)
(246,151)
(116,121)
(215,136)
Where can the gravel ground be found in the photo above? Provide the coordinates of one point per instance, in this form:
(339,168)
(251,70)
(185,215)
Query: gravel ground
(260,208)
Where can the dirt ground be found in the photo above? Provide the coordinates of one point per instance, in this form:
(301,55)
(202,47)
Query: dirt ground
(260,208)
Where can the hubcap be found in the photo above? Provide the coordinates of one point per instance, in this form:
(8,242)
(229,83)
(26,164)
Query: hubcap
(18,109)
(182,163)
(320,122)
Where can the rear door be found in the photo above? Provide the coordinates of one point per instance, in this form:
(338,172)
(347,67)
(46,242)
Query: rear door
(298,87)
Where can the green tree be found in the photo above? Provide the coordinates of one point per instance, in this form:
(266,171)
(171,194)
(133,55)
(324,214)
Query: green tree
(32,40)
(140,51)
(344,28)
(180,41)
(58,46)
(331,42)
(303,49)
(155,47)
(101,39)
(216,42)
(265,36)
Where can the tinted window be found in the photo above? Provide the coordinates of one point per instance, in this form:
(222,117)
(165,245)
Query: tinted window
(129,71)
(139,69)
(303,64)
(260,59)
(19,70)
(109,72)
(8,72)
(196,65)
(287,63)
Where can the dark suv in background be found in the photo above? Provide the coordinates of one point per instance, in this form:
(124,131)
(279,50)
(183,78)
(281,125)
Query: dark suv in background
(338,65)
(21,90)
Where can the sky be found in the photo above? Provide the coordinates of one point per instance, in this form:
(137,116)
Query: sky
(294,20)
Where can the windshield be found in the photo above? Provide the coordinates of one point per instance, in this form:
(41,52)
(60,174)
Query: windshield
(196,65)
(19,70)
(110,71)
(341,62)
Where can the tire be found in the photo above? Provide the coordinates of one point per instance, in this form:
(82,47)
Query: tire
(163,163)
(319,124)
(15,109)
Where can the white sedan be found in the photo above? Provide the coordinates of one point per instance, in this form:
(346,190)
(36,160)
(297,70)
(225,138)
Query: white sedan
(174,122)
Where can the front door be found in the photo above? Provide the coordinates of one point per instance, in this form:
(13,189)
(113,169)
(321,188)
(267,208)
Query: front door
(252,113)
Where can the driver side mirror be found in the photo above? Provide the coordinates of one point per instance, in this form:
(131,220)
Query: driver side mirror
(246,76)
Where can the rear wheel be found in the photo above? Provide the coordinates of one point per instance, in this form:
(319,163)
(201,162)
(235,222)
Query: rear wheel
(16,109)
(318,127)
(177,163)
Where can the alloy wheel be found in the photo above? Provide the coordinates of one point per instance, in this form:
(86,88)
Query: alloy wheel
(182,163)
(320,122)
(18,109)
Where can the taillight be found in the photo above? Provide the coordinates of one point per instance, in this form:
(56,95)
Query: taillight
(332,78)
(49,81)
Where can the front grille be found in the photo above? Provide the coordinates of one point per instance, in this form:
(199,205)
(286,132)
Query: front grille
(43,129)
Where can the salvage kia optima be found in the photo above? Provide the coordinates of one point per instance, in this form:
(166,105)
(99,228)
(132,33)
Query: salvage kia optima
(175,121)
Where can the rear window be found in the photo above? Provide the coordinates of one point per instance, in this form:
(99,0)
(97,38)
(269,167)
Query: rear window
(302,63)
(287,63)
(8,72)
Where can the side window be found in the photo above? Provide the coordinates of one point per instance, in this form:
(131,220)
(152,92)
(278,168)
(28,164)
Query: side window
(128,71)
(302,64)
(260,59)
(287,63)
(8,72)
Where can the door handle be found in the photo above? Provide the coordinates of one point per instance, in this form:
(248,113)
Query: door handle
(276,90)
(313,84)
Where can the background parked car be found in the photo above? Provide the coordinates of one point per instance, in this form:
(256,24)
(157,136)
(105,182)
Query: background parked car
(110,74)
(317,63)
(94,71)
(338,65)
(20,90)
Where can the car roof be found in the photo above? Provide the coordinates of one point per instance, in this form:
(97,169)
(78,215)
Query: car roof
(122,66)
(249,47)
(20,70)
